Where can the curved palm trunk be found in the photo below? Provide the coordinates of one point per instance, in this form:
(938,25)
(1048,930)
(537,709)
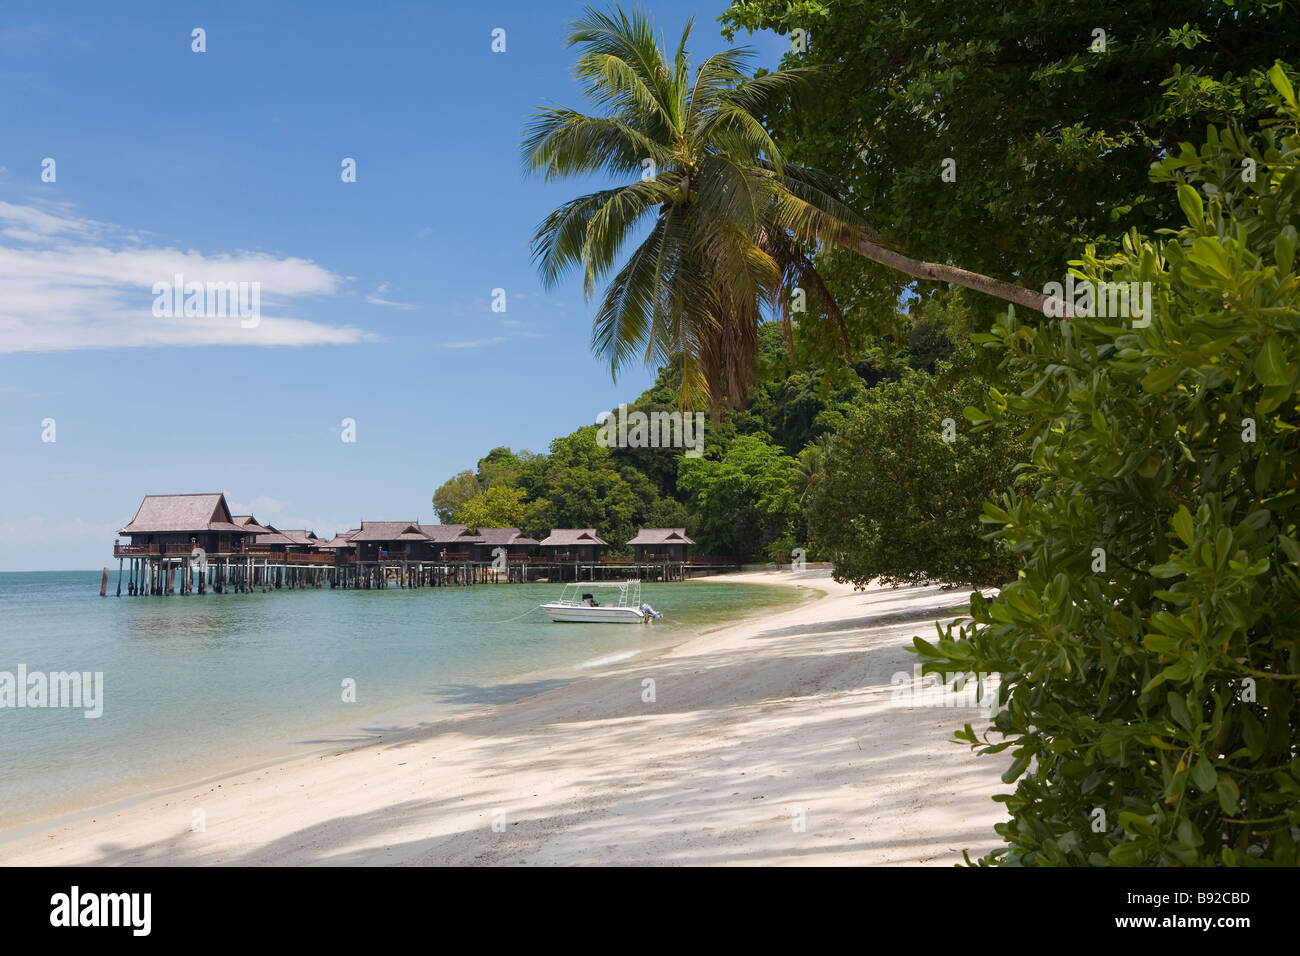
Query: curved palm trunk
(938,272)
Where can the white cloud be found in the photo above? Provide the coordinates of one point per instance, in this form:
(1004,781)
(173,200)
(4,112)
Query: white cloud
(276,512)
(376,298)
(68,282)
(29,223)
(32,543)
(34,530)
(262,506)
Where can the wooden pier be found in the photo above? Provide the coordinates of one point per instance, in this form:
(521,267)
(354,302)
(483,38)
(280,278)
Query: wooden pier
(145,570)
(192,544)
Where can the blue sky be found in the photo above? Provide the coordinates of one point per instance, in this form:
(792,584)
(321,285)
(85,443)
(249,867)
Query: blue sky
(375,294)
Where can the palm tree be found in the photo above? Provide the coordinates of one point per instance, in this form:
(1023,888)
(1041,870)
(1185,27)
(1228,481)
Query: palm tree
(730,222)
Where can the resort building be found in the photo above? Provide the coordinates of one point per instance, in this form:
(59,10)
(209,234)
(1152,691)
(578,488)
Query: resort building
(274,542)
(301,542)
(186,543)
(341,545)
(517,544)
(660,544)
(449,542)
(573,544)
(178,523)
(376,540)
(251,524)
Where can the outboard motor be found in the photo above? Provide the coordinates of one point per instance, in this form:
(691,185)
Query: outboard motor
(648,611)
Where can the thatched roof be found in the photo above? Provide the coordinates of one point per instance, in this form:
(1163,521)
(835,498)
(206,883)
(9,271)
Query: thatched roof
(572,536)
(389,531)
(498,537)
(449,534)
(250,524)
(300,536)
(335,543)
(275,537)
(661,536)
(171,513)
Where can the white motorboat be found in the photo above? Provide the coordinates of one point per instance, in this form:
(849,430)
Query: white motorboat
(599,602)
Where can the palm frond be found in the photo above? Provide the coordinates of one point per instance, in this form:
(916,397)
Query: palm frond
(762,95)
(742,136)
(622,61)
(610,225)
(564,142)
(557,244)
(735,224)
(626,312)
(721,72)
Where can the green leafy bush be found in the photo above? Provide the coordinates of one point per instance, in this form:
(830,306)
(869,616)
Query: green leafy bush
(892,499)
(745,500)
(1150,645)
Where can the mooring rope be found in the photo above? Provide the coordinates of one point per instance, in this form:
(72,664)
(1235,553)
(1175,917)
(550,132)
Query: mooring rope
(515,618)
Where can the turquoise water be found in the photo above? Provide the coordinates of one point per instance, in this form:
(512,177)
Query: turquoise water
(200,683)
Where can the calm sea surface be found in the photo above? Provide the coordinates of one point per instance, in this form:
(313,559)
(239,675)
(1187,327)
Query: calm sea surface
(197,684)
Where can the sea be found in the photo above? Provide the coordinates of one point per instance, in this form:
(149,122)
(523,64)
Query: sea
(202,685)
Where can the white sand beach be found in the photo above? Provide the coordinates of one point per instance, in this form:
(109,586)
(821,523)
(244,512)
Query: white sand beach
(771,742)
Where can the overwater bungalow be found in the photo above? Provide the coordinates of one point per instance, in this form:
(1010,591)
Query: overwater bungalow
(516,543)
(251,524)
(302,541)
(341,545)
(272,541)
(400,540)
(573,544)
(660,544)
(174,524)
(191,542)
(449,542)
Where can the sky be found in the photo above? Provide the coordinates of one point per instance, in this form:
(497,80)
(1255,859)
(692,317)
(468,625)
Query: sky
(375,296)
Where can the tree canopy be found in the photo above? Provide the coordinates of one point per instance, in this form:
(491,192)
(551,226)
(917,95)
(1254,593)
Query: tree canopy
(1149,648)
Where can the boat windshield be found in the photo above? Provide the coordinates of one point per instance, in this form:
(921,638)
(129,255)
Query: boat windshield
(602,594)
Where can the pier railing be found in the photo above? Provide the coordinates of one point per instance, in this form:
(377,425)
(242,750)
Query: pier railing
(133,550)
(145,550)
(182,551)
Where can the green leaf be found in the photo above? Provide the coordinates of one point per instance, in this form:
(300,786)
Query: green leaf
(1170,569)
(1127,853)
(1210,254)
(1172,672)
(1271,367)
(1284,253)
(1161,379)
(1193,208)
(1159,643)
(1188,833)
(1229,796)
(1282,83)
(1203,776)
(1178,709)
(925,649)
(1252,731)
(1135,823)
(1184,526)
(1016,769)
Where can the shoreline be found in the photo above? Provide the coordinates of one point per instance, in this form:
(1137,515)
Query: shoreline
(401,721)
(528,780)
